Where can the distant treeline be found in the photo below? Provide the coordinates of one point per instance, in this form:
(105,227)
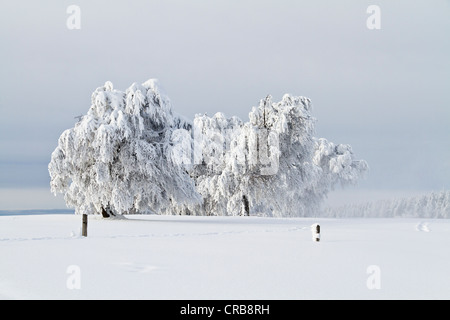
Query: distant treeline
(433,205)
(35,212)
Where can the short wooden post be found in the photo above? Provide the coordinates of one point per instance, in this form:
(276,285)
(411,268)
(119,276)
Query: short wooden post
(315,229)
(84,225)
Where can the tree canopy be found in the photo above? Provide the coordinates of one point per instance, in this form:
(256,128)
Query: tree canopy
(131,153)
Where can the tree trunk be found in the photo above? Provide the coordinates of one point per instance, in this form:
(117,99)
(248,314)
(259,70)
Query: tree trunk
(246,205)
(106,213)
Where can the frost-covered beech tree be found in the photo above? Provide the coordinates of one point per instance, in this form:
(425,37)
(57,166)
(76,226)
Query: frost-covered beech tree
(118,159)
(132,154)
(270,165)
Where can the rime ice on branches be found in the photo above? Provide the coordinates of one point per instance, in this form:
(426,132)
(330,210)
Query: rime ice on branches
(116,158)
(132,154)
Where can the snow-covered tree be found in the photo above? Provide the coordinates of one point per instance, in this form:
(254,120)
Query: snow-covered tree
(270,165)
(119,158)
(132,154)
(212,137)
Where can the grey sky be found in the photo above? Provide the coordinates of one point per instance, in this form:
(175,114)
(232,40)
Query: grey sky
(385,92)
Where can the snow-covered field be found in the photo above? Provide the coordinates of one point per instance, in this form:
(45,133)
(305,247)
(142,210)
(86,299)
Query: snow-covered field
(178,257)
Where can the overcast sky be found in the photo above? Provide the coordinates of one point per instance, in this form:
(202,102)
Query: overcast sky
(385,92)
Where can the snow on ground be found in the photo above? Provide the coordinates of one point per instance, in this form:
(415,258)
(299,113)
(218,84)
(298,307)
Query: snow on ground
(179,257)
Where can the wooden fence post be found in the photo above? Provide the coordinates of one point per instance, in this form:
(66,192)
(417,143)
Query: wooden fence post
(84,225)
